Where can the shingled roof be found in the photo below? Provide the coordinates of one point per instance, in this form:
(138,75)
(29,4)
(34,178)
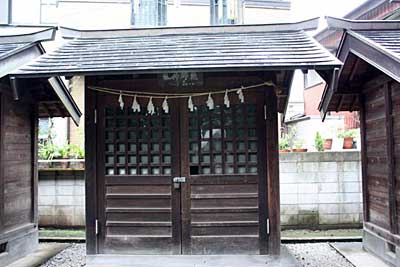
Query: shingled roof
(373,45)
(214,48)
(21,44)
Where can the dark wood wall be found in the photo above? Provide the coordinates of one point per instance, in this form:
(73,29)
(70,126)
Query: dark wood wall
(269,181)
(380,122)
(18,208)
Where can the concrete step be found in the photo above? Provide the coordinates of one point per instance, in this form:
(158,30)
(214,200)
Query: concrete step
(285,259)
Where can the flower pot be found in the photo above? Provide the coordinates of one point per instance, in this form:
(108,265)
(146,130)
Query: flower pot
(81,165)
(299,149)
(348,143)
(44,165)
(64,164)
(328,144)
(284,150)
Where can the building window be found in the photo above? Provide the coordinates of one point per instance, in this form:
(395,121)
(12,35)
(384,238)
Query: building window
(149,13)
(226,12)
(48,11)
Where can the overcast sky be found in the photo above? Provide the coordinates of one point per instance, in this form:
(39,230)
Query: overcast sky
(314,8)
(306,9)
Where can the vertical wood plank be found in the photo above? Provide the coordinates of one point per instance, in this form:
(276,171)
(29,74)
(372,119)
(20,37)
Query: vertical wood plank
(100,171)
(176,170)
(390,159)
(262,175)
(1,162)
(34,157)
(273,197)
(90,169)
(184,169)
(364,174)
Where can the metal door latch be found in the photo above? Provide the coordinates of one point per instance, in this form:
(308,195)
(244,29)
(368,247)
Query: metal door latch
(178,181)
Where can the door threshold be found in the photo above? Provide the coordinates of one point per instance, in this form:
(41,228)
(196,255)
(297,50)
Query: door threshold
(111,260)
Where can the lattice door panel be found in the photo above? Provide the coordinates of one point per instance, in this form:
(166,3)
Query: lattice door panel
(140,212)
(137,143)
(224,151)
(223,140)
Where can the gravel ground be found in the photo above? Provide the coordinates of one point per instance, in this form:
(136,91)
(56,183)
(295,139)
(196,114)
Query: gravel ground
(317,255)
(73,256)
(309,255)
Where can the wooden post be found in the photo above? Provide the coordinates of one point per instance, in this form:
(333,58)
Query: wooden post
(364,175)
(390,159)
(185,172)
(273,172)
(90,170)
(34,158)
(1,162)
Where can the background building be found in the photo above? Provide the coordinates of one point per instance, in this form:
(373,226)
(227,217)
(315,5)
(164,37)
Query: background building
(124,13)
(307,90)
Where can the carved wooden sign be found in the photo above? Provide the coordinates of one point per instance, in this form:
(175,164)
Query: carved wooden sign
(182,79)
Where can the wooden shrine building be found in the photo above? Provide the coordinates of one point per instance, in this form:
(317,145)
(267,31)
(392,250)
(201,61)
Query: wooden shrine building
(22,102)
(181,132)
(369,82)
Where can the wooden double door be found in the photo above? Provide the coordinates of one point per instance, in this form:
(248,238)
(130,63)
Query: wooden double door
(182,182)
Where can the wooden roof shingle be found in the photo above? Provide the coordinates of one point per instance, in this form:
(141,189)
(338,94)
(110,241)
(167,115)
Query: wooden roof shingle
(214,48)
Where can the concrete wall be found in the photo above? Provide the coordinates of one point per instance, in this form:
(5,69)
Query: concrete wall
(61,198)
(321,189)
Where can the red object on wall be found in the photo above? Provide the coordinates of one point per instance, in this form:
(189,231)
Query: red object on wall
(312,97)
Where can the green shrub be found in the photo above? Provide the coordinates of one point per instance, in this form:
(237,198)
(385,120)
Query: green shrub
(349,133)
(319,142)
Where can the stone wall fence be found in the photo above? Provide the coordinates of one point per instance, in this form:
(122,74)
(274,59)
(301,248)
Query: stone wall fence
(321,189)
(318,190)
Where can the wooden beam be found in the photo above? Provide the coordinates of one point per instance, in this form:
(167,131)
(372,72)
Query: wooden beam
(272,159)
(2,133)
(354,69)
(390,159)
(340,104)
(34,156)
(353,100)
(364,174)
(14,87)
(46,108)
(90,170)
(383,233)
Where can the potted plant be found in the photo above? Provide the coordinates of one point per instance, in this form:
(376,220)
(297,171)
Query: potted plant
(77,152)
(319,142)
(63,154)
(284,145)
(298,146)
(46,152)
(348,138)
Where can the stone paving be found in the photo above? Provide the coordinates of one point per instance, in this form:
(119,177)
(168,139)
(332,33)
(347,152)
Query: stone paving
(318,255)
(308,255)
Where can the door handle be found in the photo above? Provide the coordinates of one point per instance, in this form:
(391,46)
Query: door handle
(178,181)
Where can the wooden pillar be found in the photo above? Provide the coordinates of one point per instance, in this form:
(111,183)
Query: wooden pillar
(273,197)
(390,159)
(34,158)
(90,170)
(1,161)
(364,175)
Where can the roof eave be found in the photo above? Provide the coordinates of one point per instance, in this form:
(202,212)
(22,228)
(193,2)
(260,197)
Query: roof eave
(65,97)
(324,66)
(18,58)
(47,34)
(340,23)
(329,90)
(70,33)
